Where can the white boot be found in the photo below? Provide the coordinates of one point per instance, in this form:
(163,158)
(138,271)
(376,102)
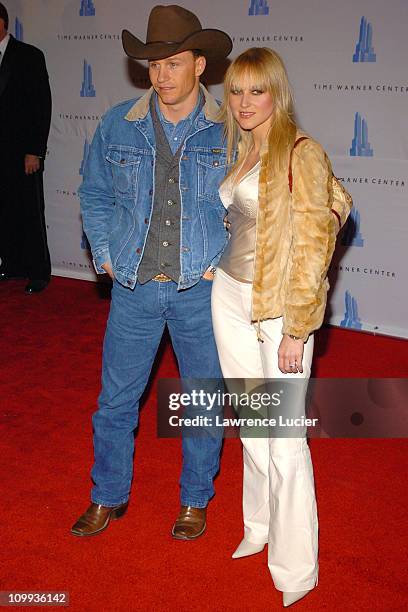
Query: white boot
(291,598)
(247,548)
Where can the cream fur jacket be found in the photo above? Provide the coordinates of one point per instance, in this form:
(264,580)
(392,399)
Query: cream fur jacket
(295,241)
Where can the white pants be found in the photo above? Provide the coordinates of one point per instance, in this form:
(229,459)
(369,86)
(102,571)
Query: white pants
(279,504)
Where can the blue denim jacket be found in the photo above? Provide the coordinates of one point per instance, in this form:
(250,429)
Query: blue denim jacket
(118,190)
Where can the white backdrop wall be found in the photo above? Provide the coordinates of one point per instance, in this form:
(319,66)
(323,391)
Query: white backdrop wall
(347,65)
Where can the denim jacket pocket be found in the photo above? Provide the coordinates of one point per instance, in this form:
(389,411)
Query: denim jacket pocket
(212,168)
(125,165)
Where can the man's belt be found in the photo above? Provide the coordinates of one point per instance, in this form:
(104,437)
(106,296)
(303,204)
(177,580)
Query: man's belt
(161,278)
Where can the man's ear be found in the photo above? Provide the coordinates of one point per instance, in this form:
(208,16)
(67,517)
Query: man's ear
(200,64)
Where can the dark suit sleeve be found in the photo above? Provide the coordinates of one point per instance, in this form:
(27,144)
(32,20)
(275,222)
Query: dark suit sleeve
(39,104)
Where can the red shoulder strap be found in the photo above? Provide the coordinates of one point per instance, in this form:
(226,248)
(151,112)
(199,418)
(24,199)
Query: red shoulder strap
(290,177)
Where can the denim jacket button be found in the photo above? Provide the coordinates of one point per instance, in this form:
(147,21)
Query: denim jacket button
(138,250)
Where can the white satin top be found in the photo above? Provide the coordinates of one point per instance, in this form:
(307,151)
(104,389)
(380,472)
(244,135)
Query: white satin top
(241,200)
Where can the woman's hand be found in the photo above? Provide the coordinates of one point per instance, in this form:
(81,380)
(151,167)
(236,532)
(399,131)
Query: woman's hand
(208,275)
(290,355)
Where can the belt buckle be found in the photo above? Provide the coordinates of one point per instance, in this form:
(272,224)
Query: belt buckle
(161,278)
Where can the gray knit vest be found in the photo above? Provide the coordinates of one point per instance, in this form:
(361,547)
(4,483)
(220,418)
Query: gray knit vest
(162,249)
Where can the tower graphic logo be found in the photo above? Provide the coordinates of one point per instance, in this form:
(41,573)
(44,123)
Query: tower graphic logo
(87,8)
(87,89)
(364,48)
(84,157)
(360,147)
(352,235)
(351,319)
(19,30)
(258,7)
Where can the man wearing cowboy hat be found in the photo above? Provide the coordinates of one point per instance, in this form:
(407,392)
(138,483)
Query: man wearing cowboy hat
(153,217)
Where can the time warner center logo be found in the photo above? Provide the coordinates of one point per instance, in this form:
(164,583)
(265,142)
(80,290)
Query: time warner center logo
(364,48)
(351,318)
(352,233)
(360,147)
(87,8)
(19,30)
(87,89)
(258,7)
(84,156)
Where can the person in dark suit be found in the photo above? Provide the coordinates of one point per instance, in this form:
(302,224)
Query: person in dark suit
(25,115)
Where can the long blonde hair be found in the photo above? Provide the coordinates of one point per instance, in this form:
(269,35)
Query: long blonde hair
(263,68)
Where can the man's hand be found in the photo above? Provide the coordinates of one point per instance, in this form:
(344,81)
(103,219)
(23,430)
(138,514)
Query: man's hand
(290,353)
(31,163)
(108,268)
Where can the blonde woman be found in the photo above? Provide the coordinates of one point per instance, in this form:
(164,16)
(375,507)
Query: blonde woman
(269,295)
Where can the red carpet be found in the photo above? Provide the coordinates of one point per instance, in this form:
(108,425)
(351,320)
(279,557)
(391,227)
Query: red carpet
(51,349)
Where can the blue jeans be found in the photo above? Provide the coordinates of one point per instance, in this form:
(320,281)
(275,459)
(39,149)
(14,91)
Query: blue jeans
(135,326)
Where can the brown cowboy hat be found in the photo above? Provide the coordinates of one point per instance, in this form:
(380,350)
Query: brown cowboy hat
(173,29)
